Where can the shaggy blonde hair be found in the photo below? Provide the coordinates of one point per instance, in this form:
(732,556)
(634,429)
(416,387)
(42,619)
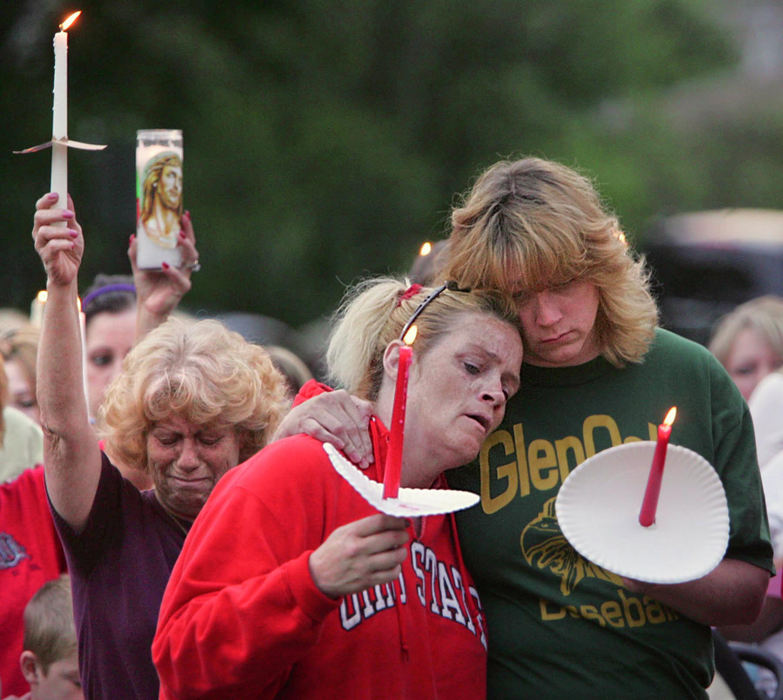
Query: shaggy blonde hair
(763,315)
(531,224)
(373,314)
(200,371)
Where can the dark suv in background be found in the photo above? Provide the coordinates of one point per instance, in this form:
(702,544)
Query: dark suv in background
(705,263)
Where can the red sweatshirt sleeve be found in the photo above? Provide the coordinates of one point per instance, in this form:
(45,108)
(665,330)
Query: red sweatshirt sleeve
(309,389)
(241,607)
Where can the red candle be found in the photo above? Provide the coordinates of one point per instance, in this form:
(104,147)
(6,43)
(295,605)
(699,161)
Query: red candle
(653,490)
(391,474)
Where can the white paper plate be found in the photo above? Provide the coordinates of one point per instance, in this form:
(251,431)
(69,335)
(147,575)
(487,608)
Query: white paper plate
(410,502)
(598,511)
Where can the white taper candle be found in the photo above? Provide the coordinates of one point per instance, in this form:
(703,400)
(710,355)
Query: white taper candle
(59,182)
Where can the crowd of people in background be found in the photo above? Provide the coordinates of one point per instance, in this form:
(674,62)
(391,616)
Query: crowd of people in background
(170,525)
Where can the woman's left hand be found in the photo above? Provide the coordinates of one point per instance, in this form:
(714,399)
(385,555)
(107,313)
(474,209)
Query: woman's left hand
(58,240)
(359,555)
(159,291)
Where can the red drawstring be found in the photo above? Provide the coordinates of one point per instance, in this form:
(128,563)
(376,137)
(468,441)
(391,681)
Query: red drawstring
(473,610)
(400,626)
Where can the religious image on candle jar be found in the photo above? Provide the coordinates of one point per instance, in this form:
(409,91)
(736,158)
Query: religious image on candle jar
(158,197)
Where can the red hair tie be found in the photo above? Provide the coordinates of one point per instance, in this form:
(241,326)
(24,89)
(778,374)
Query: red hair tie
(411,291)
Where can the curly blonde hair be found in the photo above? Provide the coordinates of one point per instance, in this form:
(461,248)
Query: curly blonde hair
(373,314)
(530,224)
(200,371)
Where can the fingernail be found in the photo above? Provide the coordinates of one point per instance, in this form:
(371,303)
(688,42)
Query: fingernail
(165,265)
(132,238)
(182,235)
(67,214)
(72,233)
(186,215)
(52,195)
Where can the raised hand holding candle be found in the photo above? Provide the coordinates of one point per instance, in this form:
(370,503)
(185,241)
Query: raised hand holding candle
(59,181)
(391,473)
(653,490)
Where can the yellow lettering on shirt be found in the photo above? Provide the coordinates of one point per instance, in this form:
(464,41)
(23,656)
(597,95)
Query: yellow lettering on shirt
(542,459)
(504,476)
(524,473)
(597,424)
(627,611)
(564,447)
(511,467)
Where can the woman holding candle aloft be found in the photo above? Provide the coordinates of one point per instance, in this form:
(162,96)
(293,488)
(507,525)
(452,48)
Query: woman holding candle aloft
(597,373)
(323,596)
(193,401)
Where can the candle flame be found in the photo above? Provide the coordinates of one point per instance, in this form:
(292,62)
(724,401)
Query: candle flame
(70,20)
(670,416)
(426,248)
(410,336)
(42,296)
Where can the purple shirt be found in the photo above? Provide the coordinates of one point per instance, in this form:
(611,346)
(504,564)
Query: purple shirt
(119,565)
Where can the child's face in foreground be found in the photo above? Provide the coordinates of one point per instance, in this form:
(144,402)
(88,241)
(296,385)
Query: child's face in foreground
(60,682)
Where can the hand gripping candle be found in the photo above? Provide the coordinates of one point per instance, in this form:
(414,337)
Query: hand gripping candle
(159,156)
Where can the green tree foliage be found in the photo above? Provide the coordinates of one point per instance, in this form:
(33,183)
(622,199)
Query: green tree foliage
(326,140)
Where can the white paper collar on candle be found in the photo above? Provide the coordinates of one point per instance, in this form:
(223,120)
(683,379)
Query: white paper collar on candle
(67,142)
(410,502)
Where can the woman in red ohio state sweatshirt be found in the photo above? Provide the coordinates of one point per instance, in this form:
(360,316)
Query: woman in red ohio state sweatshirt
(291,585)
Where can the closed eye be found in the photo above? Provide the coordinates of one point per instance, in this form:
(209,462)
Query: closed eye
(210,440)
(167,440)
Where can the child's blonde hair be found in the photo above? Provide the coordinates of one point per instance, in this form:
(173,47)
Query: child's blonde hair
(49,630)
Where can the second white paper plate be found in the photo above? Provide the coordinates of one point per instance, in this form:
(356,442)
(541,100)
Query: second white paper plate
(598,511)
